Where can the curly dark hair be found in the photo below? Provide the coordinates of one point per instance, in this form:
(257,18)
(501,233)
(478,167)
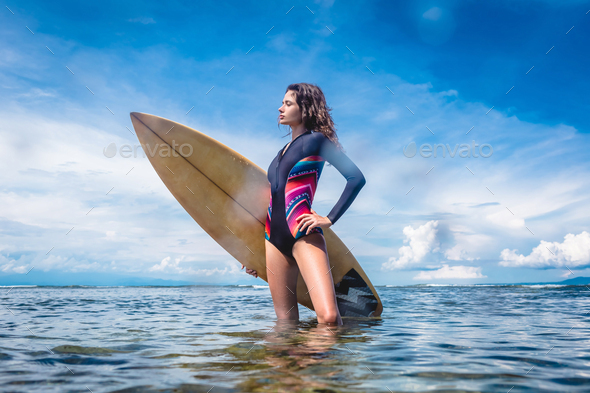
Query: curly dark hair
(315,112)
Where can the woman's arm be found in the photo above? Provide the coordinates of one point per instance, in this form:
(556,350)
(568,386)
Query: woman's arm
(354,177)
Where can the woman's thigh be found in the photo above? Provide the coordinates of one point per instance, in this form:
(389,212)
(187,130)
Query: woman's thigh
(312,258)
(282,272)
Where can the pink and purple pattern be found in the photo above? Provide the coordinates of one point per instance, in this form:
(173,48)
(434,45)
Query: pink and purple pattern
(299,191)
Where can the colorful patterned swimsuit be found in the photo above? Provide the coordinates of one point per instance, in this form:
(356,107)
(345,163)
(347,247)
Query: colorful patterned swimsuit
(293,176)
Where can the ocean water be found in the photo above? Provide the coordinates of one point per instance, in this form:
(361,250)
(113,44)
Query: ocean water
(227,339)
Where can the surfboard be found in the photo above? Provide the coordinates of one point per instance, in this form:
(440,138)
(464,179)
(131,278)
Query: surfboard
(228,196)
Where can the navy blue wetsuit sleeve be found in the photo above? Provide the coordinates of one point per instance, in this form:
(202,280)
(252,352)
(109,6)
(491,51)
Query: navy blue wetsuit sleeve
(354,177)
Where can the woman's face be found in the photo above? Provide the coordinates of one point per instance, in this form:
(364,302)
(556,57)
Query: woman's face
(290,114)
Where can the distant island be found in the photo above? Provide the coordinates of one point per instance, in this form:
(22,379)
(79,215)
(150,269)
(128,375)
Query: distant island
(570,281)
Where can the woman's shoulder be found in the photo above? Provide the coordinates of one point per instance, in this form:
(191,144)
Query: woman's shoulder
(321,140)
(318,136)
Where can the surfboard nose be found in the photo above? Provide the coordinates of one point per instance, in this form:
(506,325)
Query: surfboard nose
(136,115)
(139,125)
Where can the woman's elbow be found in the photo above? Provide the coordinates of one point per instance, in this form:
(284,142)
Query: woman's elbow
(361,181)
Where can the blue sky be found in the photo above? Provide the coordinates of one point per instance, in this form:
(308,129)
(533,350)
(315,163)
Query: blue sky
(512,75)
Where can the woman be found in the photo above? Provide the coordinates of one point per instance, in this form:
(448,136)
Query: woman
(294,238)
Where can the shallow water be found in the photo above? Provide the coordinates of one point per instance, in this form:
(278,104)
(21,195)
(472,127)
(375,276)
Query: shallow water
(227,339)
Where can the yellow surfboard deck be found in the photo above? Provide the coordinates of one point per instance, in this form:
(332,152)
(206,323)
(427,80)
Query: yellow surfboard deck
(228,196)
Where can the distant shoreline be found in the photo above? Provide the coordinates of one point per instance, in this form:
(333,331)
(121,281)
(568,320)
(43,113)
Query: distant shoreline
(81,280)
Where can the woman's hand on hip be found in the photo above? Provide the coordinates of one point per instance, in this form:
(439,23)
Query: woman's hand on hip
(312,220)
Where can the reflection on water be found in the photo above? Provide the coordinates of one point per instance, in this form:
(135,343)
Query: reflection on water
(227,339)
(303,357)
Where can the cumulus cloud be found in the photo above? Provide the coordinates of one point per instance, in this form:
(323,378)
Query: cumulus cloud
(451,272)
(573,252)
(421,242)
(11,266)
(169,266)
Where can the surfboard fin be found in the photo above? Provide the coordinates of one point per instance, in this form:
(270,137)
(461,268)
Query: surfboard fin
(354,296)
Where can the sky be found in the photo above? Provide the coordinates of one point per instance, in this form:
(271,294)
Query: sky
(501,88)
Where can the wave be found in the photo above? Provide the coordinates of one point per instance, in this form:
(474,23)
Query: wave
(18,286)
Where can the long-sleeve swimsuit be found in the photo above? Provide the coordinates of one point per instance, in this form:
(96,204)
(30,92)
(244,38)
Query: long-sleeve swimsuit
(293,176)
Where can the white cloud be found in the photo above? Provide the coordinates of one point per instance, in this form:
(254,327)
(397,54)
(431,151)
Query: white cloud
(457,253)
(421,242)
(166,266)
(11,266)
(92,266)
(451,272)
(504,218)
(573,252)
(467,244)
(110,235)
(35,92)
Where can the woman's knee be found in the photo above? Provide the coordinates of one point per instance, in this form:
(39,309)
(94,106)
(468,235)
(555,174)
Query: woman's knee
(328,316)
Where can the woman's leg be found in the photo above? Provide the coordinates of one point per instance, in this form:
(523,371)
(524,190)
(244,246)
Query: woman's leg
(312,258)
(282,272)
